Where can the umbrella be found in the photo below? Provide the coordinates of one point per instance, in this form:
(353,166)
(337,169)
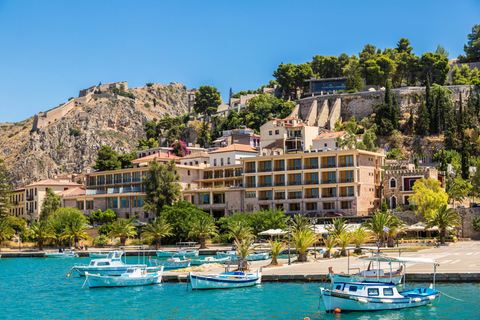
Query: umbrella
(272,232)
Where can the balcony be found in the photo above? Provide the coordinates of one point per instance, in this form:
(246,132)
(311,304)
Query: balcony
(94,191)
(265,170)
(265,198)
(279,197)
(347,195)
(311,196)
(329,181)
(311,182)
(295,183)
(315,166)
(265,184)
(30,197)
(345,164)
(250,171)
(279,169)
(124,190)
(280,183)
(347,180)
(295,168)
(328,196)
(250,185)
(406,188)
(295,197)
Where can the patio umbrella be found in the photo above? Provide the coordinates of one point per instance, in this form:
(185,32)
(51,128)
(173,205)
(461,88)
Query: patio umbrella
(272,232)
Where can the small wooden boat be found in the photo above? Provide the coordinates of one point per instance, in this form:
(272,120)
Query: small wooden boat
(97,255)
(374,296)
(225,280)
(172,263)
(178,254)
(132,277)
(110,266)
(62,254)
(251,257)
(198,262)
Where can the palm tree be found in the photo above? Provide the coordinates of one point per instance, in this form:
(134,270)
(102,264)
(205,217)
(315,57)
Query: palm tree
(384,219)
(301,222)
(157,230)
(123,229)
(239,230)
(360,236)
(343,240)
(244,249)
(75,229)
(302,239)
(276,247)
(330,242)
(6,231)
(41,231)
(203,228)
(337,226)
(443,218)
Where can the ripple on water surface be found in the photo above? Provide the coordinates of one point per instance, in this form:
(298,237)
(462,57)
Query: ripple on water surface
(36,288)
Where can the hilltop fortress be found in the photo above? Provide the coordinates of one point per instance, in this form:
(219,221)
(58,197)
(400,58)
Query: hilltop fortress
(43,119)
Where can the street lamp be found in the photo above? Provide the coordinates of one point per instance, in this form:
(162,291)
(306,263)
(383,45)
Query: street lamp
(287,221)
(314,222)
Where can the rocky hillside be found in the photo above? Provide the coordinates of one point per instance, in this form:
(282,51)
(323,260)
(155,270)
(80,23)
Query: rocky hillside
(70,144)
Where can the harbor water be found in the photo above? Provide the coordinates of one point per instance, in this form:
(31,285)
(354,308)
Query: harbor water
(37,288)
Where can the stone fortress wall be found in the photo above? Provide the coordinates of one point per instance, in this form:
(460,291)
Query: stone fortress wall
(43,119)
(327,109)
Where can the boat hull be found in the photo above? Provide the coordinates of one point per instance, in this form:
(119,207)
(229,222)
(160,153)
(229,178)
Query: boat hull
(346,302)
(61,255)
(168,254)
(339,278)
(205,283)
(97,281)
(199,262)
(250,257)
(107,270)
(173,265)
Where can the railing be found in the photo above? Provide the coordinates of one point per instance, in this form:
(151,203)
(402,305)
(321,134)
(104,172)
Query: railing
(328,166)
(311,196)
(328,181)
(295,183)
(30,197)
(280,183)
(250,185)
(279,169)
(345,165)
(265,198)
(295,197)
(347,180)
(123,190)
(265,170)
(250,171)
(94,191)
(315,166)
(347,195)
(207,176)
(295,168)
(265,184)
(280,197)
(311,182)
(329,196)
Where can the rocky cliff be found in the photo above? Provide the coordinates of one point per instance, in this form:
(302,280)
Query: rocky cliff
(70,144)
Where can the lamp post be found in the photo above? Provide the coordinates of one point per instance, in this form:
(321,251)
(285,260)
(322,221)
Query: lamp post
(314,222)
(287,221)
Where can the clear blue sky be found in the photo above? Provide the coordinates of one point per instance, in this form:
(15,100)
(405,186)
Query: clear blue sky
(52,49)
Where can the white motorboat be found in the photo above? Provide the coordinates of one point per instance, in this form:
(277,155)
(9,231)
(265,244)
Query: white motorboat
(373,296)
(251,257)
(372,275)
(62,254)
(379,295)
(199,262)
(132,277)
(225,280)
(110,266)
(177,254)
(172,263)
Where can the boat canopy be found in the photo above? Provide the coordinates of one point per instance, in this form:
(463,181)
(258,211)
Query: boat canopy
(400,259)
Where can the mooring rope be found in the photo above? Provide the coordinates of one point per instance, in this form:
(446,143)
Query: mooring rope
(451,296)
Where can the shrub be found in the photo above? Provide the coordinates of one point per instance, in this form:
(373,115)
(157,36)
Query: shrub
(100,241)
(384,207)
(42,147)
(147,105)
(74,132)
(149,84)
(180,148)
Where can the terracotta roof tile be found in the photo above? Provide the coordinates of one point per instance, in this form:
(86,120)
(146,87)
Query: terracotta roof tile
(197,154)
(330,135)
(52,182)
(72,191)
(236,147)
(163,155)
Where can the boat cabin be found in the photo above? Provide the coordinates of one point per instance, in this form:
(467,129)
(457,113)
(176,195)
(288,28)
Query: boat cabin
(370,290)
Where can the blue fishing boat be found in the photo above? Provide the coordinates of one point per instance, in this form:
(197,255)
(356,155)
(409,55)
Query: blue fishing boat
(377,295)
(177,254)
(225,280)
(199,262)
(173,263)
(251,257)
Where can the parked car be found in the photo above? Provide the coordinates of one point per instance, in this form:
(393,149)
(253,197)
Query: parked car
(461,207)
(474,205)
(333,214)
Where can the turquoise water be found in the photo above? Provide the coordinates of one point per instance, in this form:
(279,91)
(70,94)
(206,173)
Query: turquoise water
(36,288)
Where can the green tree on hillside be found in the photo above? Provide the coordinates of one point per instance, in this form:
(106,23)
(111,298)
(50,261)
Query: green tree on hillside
(403,46)
(107,159)
(434,67)
(5,190)
(207,100)
(161,186)
(472,48)
(50,204)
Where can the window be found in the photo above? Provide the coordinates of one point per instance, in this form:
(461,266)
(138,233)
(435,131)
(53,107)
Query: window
(228,160)
(124,202)
(127,177)
(346,204)
(294,206)
(103,263)
(191,163)
(109,179)
(145,214)
(204,198)
(314,193)
(388,292)
(250,194)
(325,145)
(328,206)
(277,131)
(331,177)
(331,162)
(138,201)
(113,203)
(297,163)
(214,162)
(339,287)
(101,180)
(270,133)
(353,288)
(393,183)
(136,177)
(89,204)
(118,178)
(188,172)
(373,291)
(249,208)
(80,205)
(219,198)
(311,206)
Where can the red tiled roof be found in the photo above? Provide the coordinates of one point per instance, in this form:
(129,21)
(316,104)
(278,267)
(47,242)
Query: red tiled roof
(330,135)
(163,155)
(53,182)
(236,147)
(71,191)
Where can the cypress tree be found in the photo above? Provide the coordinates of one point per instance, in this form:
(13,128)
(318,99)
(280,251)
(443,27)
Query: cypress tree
(461,123)
(464,151)
(423,121)
(411,122)
(429,105)
(449,140)
(395,112)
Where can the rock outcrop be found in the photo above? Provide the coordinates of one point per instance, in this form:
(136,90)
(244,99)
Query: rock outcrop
(70,144)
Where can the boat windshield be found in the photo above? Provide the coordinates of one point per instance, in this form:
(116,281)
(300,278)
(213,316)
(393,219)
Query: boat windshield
(115,255)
